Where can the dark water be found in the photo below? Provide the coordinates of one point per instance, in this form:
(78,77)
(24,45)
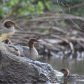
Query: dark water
(76,66)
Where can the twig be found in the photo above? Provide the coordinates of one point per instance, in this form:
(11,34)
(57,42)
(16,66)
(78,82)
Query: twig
(14,9)
(48,27)
(70,18)
(22,10)
(76,6)
(70,44)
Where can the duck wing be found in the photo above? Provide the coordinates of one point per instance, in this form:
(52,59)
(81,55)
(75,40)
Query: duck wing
(26,51)
(2,30)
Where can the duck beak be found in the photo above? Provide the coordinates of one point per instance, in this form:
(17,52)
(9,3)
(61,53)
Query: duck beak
(18,27)
(38,41)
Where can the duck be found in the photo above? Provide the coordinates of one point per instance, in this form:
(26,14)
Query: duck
(65,71)
(67,74)
(7,30)
(30,51)
(8,46)
(7,41)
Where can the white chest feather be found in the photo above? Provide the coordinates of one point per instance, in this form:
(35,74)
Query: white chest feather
(31,53)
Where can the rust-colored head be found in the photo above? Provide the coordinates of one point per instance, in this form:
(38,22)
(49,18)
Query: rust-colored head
(7,41)
(32,41)
(65,71)
(9,23)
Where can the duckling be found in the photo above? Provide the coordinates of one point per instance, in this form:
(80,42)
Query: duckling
(7,30)
(67,74)
(7,41)
(65,71)
(7,45)
(31,51)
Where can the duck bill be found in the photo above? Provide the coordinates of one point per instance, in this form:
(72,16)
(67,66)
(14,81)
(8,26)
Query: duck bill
(18,27)
(38,41)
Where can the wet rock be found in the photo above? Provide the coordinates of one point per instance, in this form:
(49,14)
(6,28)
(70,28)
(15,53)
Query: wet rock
(16,69)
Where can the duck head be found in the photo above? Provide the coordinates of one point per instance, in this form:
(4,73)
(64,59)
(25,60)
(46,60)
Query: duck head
(32,41)
(65,71)
(9,24)
(7,41)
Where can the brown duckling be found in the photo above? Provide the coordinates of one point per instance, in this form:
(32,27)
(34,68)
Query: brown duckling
(65,71)
(7,41)
(67,74)
(7,45)
(31,51)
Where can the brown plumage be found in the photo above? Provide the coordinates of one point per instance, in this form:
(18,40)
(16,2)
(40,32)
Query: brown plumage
(7,30)
(65,71)
(7,41)
(31,51)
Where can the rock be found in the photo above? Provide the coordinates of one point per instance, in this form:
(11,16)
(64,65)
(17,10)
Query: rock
(17,69)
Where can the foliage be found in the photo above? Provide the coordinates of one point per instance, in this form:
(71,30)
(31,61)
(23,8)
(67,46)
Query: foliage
(70,3)
(38,6)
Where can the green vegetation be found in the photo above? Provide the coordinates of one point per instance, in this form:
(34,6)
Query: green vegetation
(38,6)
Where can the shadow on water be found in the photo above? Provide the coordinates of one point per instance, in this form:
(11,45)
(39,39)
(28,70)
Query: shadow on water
(73,63)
